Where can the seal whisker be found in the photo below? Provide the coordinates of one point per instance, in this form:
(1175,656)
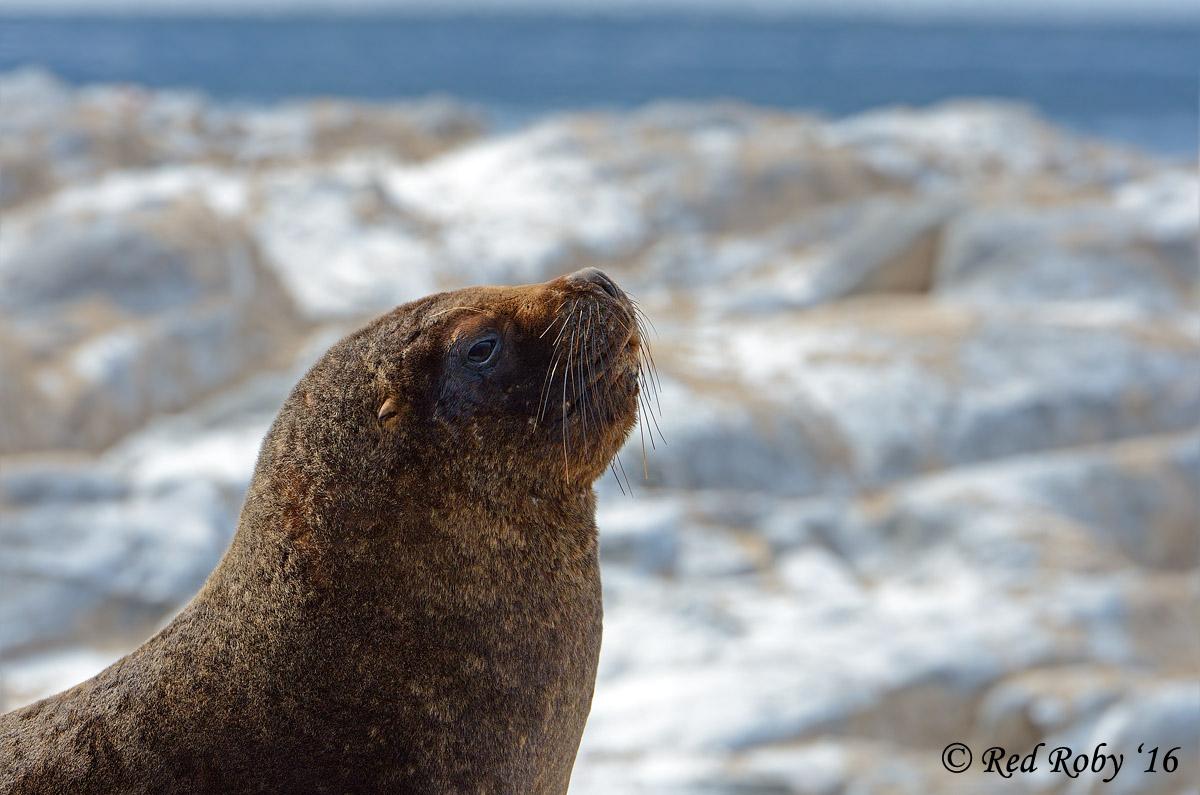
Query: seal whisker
(646,357)
(641,423)
(643,396)
(644,351)
(566,379)
(566,369)
(548,381)
(653,426)
(637,307)
(617,458)
(612,466)
(581,386)
(570,314)
(591,398)
(545,398)
(555,358)
(554,320)
(653,420)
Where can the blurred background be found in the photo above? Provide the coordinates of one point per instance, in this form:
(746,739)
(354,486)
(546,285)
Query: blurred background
(926,285)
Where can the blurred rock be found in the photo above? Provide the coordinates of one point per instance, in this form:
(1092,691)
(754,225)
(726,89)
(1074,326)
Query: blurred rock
(643,537)
(112,318)
(50,136)
(1165,716)
(105,571)
(100,549)
(53,134)
(1076,253)
(895,252)
(1022,711)
(1002,149)
(929,389)
(1099,508)
(865,393)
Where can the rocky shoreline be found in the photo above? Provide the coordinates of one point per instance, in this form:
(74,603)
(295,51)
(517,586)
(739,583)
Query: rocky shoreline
(930,396)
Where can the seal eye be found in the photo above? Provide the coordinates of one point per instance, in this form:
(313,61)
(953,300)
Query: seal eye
(483,352)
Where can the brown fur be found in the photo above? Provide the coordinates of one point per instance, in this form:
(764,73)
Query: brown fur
(412,600)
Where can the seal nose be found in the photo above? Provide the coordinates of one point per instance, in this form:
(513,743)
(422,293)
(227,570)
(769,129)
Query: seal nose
(597,277)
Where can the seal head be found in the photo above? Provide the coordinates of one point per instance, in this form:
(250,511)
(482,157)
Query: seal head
(411,602)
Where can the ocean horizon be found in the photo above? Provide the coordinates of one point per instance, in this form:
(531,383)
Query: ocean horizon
(1130,83)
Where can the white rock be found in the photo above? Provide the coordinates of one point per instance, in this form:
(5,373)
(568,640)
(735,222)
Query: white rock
(1083,253)
(1165,716)
(162,305)
(644,535)
(863,395)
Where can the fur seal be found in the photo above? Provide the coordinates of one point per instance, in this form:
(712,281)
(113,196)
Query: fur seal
(411,602)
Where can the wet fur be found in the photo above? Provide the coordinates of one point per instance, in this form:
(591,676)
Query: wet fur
(411,602)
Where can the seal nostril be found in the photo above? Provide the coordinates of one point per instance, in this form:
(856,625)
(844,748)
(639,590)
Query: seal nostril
(608,284)
(597,277)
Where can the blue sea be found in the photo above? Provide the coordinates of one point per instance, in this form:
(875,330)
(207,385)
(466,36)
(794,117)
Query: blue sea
(1133,83)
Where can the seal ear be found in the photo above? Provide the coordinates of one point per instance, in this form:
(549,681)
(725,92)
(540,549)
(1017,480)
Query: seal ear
(390,408)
